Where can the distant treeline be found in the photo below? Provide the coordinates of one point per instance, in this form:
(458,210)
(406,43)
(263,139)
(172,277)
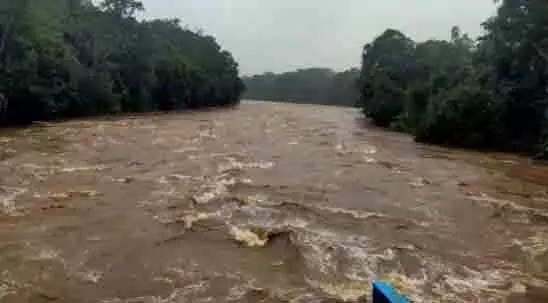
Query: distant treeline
(68,58)
(313,86)
(491,93)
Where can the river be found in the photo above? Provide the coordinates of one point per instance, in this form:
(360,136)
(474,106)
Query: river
(264,202)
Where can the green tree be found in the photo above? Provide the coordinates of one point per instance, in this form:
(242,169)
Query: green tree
(489,93)
(68,58)
(516,52)
(387,66)
(312,85)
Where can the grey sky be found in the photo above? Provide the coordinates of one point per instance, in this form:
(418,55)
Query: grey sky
(281,35)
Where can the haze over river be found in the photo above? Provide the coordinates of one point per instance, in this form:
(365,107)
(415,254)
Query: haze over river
(264,202)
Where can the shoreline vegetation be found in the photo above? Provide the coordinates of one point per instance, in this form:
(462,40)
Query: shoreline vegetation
(61,59)
(487,94)
(320,86)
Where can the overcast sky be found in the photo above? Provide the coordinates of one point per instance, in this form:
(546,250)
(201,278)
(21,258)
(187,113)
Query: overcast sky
(281,35)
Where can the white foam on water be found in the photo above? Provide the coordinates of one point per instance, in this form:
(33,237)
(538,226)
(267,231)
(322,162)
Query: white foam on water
(370,150)
(483,197)
(236,293)
(165,280)
(458,283)
(32,166)
(474,281)
(179,177)
(123,180)
(354,213)
(177,295)
(52,196)
(62,196)
(4,140)
(192,218)
(9,150)
(507,204)
(255,199)
(296,223)
(8,197)
(419,182)
(187,150)
(323,250)
(91,276)
(204,300)
(534,246)
(94,168)
(369,160)
(476,284)
(234,164)
(218,189)
(247,237)
(347,291)
(46,254)
(366,264)
(218,123)
(267,217)
(211,194)
(294,295)
(304,296)
(149,299)
(7,289)
(89,193)
(207,134)
(409,286)
(145,126)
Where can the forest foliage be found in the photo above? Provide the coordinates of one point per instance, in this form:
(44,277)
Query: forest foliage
(69,58)
(313,86)
(488,93)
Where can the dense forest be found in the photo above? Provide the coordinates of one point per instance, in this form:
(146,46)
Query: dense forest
(312,85)
(491,93)
(68,58)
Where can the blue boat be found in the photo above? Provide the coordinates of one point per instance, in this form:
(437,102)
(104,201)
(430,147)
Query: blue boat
(384,292)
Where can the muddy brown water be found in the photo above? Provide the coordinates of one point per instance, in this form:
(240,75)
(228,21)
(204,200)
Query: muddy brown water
(263,203)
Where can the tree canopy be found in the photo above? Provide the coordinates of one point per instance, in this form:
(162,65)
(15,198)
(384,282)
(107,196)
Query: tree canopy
(489,93)
(67,58)
(313,86)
